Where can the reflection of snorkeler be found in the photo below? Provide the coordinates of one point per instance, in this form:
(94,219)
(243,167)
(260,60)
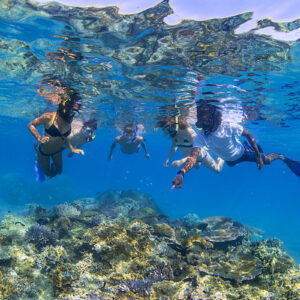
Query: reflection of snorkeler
(82,133)
(51,89)
(129,141)
(57,129)
(220,138)
(182,136)
(63,54)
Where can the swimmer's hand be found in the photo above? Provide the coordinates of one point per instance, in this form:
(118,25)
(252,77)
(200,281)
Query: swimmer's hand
(259,162)
(44,140)
(177,182)
(166,164)
(147,155)
(200,77)
(110,157)
(78,151)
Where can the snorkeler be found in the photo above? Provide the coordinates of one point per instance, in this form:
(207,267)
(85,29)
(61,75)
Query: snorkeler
(57,128)
(82,132)
(130,142)
(182,136)
(220,138)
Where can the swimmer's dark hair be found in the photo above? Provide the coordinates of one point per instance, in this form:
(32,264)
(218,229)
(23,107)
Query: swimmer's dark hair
(91,124)
(209,107)
(70,102)
(129,127)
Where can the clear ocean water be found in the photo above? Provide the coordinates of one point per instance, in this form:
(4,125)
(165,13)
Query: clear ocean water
(129,69)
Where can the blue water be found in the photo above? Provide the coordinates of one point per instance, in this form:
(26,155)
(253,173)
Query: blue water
(267,199)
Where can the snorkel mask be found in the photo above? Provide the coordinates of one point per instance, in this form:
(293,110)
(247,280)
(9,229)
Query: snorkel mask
(89,133)
(130,133)
(172,128)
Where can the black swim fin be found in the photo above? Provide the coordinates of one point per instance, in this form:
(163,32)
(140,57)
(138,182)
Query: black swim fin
(293,165)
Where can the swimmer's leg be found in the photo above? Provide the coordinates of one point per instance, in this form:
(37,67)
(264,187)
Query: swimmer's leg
(178,163)
(268,159)
(44,163)
(56,167)
(210,163)
(197,164)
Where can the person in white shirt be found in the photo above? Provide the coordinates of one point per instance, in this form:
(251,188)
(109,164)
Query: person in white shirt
(221,139)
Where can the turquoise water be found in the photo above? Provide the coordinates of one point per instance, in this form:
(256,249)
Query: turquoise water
(131,67)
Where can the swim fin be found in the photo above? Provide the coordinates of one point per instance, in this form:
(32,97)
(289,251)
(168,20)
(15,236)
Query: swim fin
(39,174)
(293,165)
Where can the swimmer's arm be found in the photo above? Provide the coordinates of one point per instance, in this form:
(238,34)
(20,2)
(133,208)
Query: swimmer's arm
(41,91)
(112,147)
(252,142)
(172,151)
(145,148)
(189,164)
(42,120)
(192,133)
(73,150)
(79,145)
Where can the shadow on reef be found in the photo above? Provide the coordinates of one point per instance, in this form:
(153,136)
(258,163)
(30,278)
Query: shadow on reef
(121,246)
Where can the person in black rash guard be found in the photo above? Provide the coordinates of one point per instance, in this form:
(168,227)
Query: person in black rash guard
(57,128)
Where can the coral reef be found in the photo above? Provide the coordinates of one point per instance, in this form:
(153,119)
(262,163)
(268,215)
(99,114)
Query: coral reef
(123,247)
(65,210)
(39,235)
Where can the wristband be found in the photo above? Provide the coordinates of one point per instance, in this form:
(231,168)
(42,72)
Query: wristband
(180,173)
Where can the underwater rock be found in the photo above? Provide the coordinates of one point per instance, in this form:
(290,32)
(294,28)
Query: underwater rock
(223,231)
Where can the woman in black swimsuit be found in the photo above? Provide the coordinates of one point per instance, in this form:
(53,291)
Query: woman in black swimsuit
(57,129)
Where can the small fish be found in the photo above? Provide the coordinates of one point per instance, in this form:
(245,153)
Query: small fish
(18,222)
